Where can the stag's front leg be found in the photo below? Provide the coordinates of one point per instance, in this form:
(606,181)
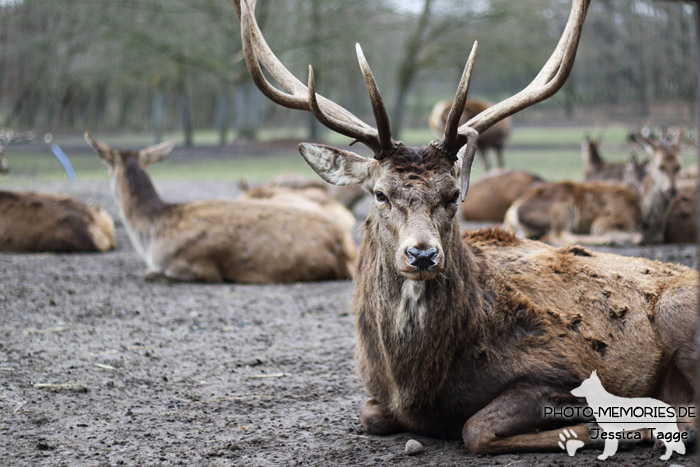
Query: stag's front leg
(510,423)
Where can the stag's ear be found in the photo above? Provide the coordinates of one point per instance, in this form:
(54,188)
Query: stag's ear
(155,153)
(105,152)
(340,167)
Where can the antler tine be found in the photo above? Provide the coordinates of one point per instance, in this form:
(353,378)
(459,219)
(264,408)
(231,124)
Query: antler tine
(329,121)
(547,82)
(259,56)
(380,115)
(449,140)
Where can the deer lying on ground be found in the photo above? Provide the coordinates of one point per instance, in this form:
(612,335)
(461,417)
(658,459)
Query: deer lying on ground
(595,167)
(494,138)
(601,212)
(252,241)
(311,198)
(680,224)
(478,332)
(33,222)
(490,197)
(348,196)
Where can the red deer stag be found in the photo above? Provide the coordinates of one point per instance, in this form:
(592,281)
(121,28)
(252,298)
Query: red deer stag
(479,332)
(212,241)
(494,138)
(32,222)
(601,212)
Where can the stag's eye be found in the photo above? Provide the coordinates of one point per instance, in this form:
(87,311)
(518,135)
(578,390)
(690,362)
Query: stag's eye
(381,197)
(454,199)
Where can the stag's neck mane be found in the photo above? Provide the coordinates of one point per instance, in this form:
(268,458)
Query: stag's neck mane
(416,324)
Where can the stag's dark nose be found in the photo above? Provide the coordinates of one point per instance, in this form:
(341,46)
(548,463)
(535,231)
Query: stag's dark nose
(672,192)
(422,259)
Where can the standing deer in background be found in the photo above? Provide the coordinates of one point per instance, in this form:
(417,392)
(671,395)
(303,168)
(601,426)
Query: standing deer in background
(595,167)
(477,333)
(33,222)
(254,241)
(494,138)
(600,212)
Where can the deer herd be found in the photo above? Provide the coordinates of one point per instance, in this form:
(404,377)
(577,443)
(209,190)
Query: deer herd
(465,334)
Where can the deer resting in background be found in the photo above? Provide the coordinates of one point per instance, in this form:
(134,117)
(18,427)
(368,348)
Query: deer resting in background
(254,241)
(310,198)
(595,167)
(602,212)
(33,222)
(490,197)
(494,138)
(476,333)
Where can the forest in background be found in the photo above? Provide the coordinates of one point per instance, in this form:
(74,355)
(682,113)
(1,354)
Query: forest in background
(164,65)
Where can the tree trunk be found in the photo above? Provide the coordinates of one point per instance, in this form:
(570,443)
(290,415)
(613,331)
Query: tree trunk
(408,70)
(158,109)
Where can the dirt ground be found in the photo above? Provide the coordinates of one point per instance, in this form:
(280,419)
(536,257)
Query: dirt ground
(98,367)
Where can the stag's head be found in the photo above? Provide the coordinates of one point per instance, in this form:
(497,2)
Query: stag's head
(415,189)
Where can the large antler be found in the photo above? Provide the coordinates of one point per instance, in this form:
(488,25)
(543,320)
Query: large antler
(299,96)
(548,81)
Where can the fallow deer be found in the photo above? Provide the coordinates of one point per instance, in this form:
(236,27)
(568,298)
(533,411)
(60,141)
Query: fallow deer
(494,138)
(600,212)
(490,197)
(254,241)
(477,333)
(595,167)
(33,222)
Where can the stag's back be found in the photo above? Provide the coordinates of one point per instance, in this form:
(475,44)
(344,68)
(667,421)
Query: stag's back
(40,222)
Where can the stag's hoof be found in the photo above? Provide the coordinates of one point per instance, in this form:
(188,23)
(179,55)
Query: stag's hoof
(377,420)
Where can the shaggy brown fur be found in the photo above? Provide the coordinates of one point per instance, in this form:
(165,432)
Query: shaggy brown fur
(489,198)
(499,327)
(254,241)
(31,222)
(494,138)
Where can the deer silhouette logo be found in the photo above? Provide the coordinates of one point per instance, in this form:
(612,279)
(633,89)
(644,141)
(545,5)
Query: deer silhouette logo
(615,415)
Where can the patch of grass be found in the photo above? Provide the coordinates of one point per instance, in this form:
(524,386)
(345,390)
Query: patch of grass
(552,153)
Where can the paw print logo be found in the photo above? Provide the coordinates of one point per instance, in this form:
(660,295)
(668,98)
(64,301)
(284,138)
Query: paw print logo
(569,442)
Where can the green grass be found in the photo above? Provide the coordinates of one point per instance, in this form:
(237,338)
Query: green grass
(552,153)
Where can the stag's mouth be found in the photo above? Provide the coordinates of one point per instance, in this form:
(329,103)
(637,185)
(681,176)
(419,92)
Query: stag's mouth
(421,275)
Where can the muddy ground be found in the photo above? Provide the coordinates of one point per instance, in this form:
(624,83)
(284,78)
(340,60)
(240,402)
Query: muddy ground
(98,367)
